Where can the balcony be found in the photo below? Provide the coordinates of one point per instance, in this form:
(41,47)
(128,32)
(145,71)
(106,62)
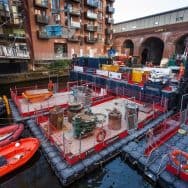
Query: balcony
(90,40)
(91,15)
(17,2)
(13,52)
(41,19)
(19,36)
(92,3)
(109,21)
(41,3)
(74,11)
(111,1)
(108,31)
(42,35)
(4,13)
(74,39)
(75,24)
(89,27)
(110,10)
(76,1)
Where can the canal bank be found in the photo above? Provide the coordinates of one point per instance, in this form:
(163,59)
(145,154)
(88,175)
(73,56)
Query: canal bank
(5,87)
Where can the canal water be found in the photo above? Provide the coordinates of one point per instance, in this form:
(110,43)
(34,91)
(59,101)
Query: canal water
(38,174)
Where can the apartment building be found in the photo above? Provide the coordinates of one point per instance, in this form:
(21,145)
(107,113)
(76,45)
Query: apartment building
(59,28)
(13,47)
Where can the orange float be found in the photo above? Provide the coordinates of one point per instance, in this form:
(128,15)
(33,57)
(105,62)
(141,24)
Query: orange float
(16,154)
(174,156)
(37,95)
(101,134)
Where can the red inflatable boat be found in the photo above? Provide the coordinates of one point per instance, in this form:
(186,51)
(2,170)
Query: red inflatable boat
(14,155)
(10,133)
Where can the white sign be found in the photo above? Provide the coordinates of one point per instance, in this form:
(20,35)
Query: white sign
(78,69)
(115,75)
(166,71)
(102,72)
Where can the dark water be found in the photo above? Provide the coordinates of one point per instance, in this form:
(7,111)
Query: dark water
(38,174)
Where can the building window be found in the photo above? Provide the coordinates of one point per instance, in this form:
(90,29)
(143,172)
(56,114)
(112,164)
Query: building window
(56,18)
(178,19)
(99,36)
(60,49)
(100,27)
(40,12)
(91,35)
(100,4)
(100,15)
(55,4)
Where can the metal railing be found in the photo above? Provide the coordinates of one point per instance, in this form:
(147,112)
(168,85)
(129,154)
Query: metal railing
(13,52)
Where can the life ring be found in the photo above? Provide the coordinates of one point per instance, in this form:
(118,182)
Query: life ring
(101,135)
(174,156)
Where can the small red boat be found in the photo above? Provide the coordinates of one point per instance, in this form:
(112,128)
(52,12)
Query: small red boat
(10,133)
(16,154)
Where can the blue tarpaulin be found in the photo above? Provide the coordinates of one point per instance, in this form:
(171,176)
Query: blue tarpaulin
(54,30)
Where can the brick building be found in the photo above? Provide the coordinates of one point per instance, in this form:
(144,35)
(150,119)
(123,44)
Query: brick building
(59,28)
(14,54)
(153,37)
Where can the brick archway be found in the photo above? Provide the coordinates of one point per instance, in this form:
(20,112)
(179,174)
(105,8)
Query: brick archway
(151,49)
(127,47)
(180,44)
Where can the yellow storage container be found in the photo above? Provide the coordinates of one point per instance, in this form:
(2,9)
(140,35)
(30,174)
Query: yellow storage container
(137,75)
(112,68)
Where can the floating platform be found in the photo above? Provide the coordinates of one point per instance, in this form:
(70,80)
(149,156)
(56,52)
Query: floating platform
(70,171)
(61,99)
(154,165)
(67,174)
(75,150)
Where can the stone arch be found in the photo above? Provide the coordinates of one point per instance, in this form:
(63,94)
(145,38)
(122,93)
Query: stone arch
(180,44)
(152,50)
(128,47)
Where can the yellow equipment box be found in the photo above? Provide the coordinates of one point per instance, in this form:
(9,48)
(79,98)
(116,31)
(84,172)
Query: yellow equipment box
(112,68)
(137,75)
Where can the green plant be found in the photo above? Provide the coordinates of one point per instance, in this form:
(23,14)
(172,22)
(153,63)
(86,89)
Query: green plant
(60,64)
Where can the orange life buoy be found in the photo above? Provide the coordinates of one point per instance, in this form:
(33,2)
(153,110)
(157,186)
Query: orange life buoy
(174,156)
(101,135)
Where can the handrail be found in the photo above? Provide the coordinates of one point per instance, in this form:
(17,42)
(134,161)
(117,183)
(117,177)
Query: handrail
(147,162)
(163,157)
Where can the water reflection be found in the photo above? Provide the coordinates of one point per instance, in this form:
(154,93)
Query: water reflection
(115,174)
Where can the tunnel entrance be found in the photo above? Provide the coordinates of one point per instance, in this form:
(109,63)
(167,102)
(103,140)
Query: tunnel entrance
(180,44)
(128,47)
(152,51)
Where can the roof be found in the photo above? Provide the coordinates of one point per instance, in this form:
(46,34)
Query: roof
(170,11)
